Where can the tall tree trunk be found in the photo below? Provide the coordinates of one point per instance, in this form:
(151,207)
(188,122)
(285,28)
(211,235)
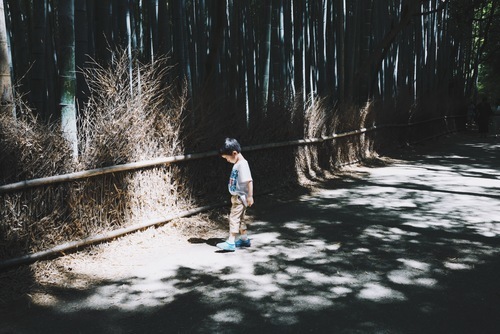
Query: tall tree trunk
(374,63)
(266,55)
(340,33)
(254,113)
(67,76)
(153,28)
(20,46)
(367,77)
(81,50)
(298,41)
(287,52)
(352,51)
(164,27)
(103,31)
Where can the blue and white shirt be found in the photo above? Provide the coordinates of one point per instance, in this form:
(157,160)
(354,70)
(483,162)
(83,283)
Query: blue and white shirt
(238,180)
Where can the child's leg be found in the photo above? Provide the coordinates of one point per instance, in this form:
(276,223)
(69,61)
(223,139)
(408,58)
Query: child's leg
(235,217)
(244,240)
(243,226)
(243,232)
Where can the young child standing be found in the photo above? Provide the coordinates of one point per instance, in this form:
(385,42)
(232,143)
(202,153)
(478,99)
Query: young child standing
(241,189)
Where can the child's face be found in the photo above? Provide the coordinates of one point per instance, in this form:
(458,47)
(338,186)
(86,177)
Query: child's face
(233,158)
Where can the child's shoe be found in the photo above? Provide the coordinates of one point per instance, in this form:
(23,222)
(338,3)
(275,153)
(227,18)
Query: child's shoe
(242,243)
(226,246)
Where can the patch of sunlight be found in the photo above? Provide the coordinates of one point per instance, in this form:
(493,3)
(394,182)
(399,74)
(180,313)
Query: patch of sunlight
(487,229)
(375,231)
(406,277)
(300,253)
(314,243)
(399,231)
(454,156)
(294,270)
(319,260)
(426,281)
(317,278)
(327,193)
(426,222)
(209,293)
(149,285)
(127,297)
(345,279)
(457,266)
(281,277)
(488,234)
(400,277)
(377,292)
(295,225)
(415,264)
(382,232)
(137,293)
(311,302)
(228,316)
(341,291)
(331,206)
(419,224)
(268,238)
(299,227)
(256,294)
(333,247)
(261,288)
(241,272)
(44,299)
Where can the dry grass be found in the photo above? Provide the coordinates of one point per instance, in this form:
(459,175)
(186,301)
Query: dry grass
(131,115)
(30,149)
(322,119)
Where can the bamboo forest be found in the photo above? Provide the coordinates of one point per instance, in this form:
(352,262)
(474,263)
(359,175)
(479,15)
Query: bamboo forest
(371,129)
(238,59)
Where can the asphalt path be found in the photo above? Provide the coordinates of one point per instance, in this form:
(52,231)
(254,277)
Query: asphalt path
(411,247)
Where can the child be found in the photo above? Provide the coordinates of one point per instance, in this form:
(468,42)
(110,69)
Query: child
(241,190)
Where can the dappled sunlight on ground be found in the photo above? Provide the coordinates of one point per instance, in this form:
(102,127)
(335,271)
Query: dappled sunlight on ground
(411,247)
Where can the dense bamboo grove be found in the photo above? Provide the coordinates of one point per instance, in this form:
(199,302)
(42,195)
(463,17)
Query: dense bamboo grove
(238,57)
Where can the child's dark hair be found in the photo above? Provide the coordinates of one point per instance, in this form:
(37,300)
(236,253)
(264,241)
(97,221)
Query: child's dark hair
(230,145)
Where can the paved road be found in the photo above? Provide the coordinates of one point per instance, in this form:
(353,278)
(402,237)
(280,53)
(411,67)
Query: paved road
(408,248)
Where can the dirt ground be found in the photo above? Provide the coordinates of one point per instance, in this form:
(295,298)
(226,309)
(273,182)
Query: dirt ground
(109,260)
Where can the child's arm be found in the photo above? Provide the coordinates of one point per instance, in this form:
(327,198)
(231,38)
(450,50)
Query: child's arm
(250,193)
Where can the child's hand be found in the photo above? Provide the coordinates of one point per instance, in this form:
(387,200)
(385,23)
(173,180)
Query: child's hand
(250,200)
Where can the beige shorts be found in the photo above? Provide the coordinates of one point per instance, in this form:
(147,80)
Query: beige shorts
(236,215)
